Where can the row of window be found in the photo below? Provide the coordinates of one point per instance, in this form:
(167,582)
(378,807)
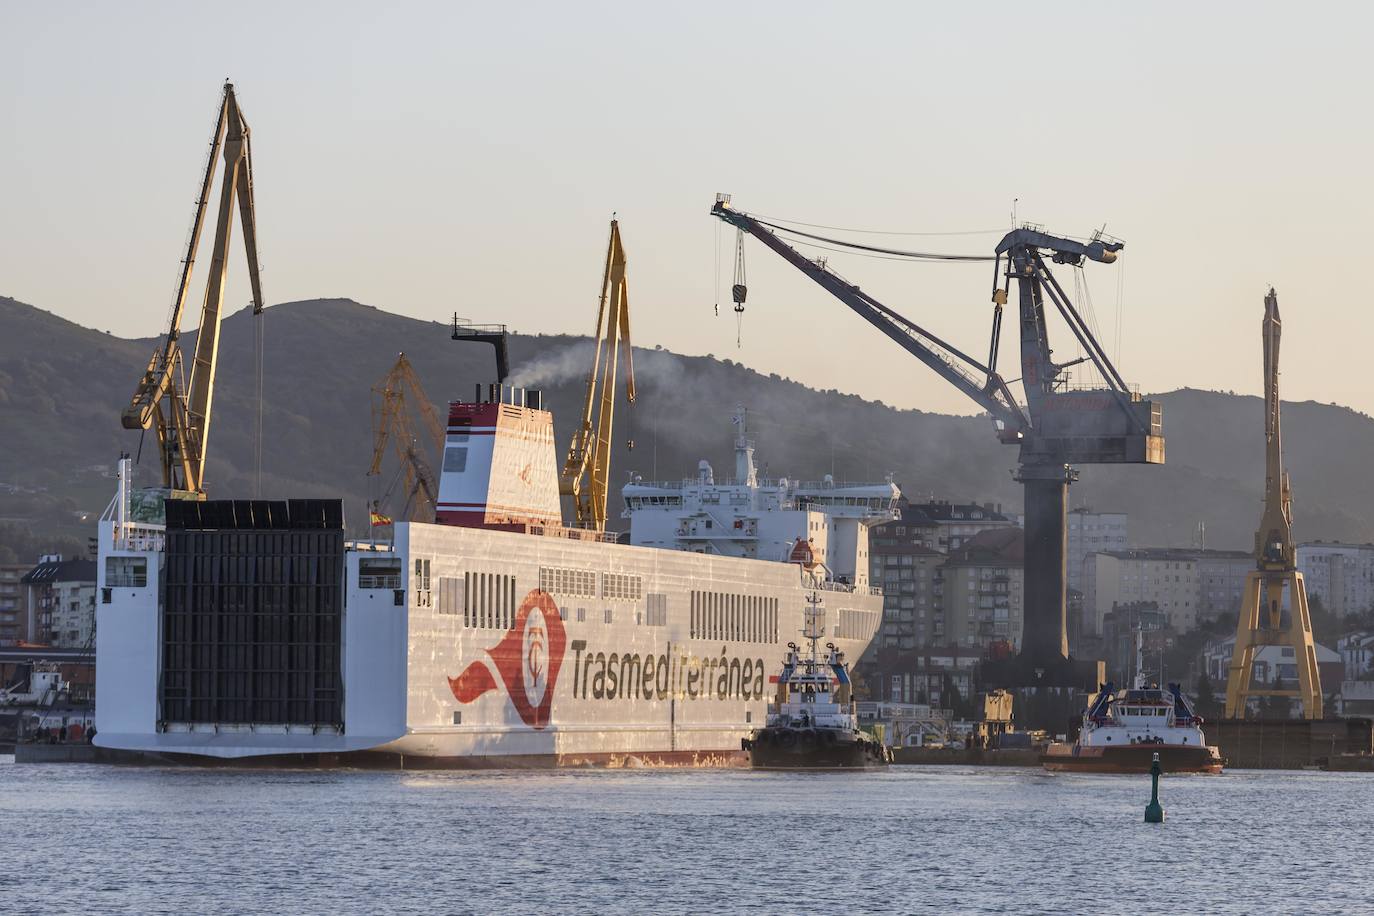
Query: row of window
(558,580)
(126,572)
(581,583)
(487,599)
(621,586)
(727,616)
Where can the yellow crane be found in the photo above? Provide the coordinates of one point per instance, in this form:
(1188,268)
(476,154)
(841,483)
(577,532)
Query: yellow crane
(586,473)
(179,408)
(1275,577)
(392,399)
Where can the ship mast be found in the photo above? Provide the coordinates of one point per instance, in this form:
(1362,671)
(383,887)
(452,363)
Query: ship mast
(814,626)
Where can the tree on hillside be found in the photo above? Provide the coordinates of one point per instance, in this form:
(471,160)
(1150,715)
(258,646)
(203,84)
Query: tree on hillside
(20,544)
(1327,626)
(1205,698)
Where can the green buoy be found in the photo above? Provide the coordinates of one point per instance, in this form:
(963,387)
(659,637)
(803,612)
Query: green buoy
(1154,812)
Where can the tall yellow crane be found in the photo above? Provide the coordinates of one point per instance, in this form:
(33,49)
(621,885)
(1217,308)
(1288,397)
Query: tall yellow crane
(177,407)
(1261,622)
(586,473)
(392,399)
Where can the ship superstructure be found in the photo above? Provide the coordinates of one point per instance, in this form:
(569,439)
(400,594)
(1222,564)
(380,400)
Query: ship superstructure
(783,520)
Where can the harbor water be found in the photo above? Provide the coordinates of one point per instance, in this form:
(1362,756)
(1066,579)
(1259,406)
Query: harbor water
(98,839)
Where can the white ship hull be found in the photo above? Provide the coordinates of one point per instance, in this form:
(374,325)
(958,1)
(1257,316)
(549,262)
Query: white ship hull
(522,649)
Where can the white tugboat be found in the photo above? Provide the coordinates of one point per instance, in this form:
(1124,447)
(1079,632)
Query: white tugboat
(1124,732)
(813,724)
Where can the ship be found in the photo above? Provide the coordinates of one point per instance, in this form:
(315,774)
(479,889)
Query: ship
(1126,731)
(37,705)
(493,636)
(814,724)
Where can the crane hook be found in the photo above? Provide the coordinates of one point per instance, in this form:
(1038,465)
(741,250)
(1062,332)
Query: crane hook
(740,290)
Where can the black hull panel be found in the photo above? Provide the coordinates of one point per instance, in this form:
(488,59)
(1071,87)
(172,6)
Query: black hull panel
(814,749)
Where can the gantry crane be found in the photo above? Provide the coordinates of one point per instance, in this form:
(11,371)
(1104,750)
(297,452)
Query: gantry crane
(587,470)
(181,412)
(392,400)
(1058,425)
(1261,612)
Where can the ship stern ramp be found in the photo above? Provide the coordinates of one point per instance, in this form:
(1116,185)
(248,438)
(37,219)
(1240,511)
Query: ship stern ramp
(249,628)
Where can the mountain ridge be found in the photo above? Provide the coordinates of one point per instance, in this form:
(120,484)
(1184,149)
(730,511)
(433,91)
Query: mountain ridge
(63,385)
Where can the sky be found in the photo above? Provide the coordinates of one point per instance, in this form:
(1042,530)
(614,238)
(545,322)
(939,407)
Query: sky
(461,157)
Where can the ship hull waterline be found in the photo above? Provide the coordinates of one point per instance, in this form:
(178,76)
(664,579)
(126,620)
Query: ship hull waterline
(1132,759)
(770,749)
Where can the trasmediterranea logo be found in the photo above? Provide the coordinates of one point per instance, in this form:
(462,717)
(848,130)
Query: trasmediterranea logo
(527,658)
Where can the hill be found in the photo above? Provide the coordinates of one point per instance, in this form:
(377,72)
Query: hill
(62,387)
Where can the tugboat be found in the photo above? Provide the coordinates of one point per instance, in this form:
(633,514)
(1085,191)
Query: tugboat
(1123,731)
(813,723)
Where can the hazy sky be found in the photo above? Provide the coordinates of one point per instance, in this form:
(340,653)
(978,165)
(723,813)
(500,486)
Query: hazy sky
(432,158)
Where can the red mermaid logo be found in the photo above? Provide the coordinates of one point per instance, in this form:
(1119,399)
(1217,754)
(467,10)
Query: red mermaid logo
(527,658)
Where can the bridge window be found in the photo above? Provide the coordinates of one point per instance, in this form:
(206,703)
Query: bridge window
(379,572)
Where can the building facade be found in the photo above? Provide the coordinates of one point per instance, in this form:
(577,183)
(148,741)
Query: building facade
(909,574)
(932,675)
(944,526)
(981,592)
(14,608)
(1340,575)
(61,602)
(1273,664)
(1357,653)
(1169,577)
(1221,581)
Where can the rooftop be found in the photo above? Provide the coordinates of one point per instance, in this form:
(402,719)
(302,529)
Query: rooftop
(994,547)
(936,512)
(60,571)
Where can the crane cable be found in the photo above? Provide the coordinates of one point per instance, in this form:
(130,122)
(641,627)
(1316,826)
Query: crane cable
(740,290)
(717,252)
(797,222)
(913,255)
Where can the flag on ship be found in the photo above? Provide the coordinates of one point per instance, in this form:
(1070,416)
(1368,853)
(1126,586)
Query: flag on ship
(380,519)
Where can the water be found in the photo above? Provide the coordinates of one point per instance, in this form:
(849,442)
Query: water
(914,839)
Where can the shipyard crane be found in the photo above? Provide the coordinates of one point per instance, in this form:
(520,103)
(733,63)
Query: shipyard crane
(392,402)
(178,408)
(1058,424)
(586,473)
(1261,622)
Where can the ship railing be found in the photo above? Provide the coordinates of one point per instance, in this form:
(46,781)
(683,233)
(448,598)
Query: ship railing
(762,482)
(829,585)
(370,546)
(142,537)
(379,581)
(574,533)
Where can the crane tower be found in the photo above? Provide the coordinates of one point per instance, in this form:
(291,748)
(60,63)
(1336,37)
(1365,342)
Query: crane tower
(586,471)
(1059,426)
(1261,622)
(178,408)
